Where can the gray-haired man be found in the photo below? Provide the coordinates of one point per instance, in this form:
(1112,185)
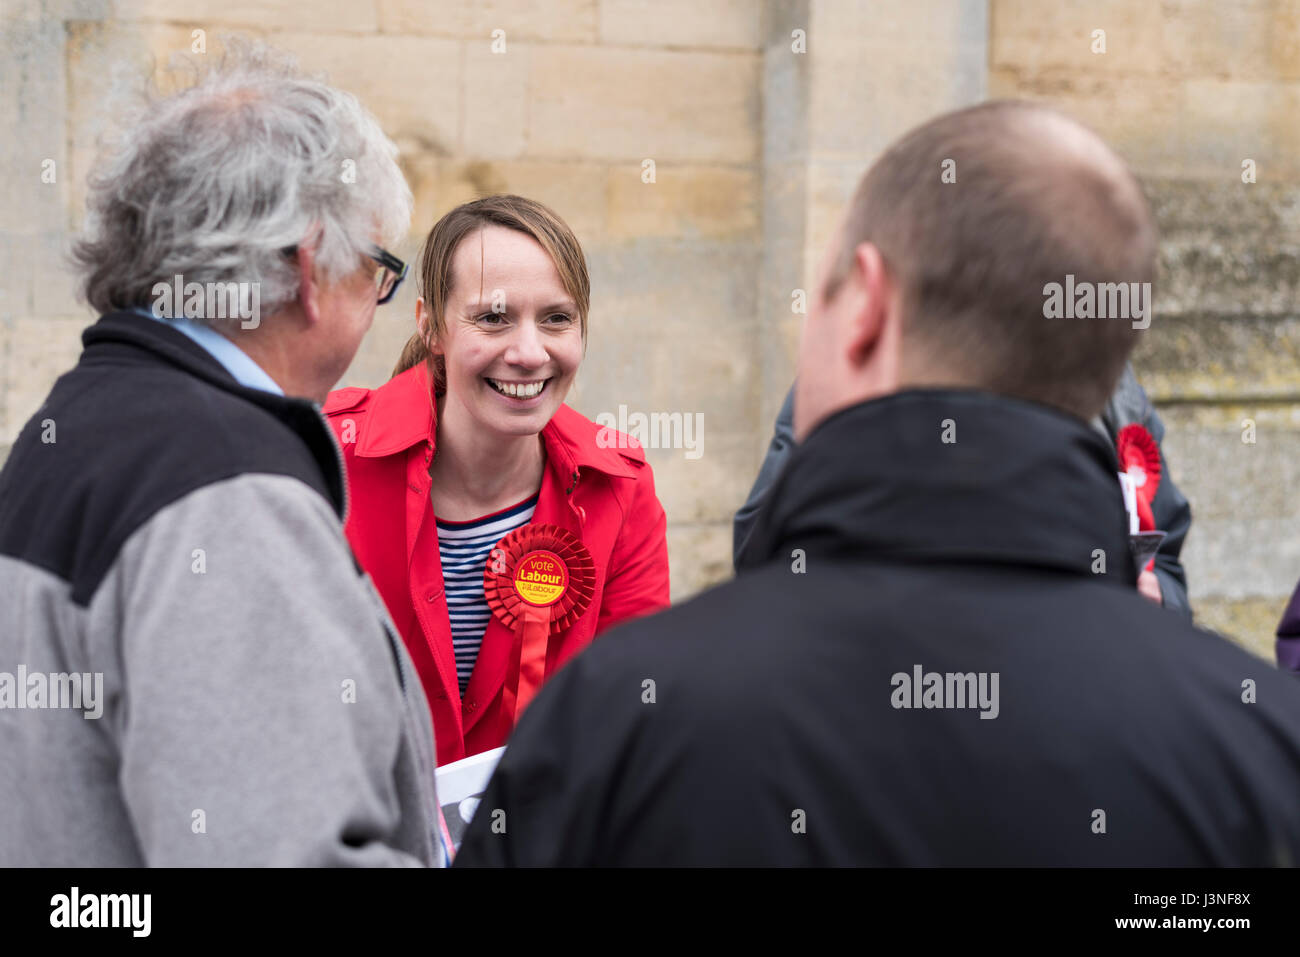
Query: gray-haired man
(170,520)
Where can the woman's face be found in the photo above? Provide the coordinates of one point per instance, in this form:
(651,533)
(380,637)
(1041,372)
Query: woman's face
(513,339)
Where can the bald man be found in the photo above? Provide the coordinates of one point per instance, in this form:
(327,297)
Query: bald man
(934,652)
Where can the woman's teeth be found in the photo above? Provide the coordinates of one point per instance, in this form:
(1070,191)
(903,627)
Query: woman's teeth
(519,390)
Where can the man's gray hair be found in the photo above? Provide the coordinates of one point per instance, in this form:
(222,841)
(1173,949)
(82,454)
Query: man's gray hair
(214,182)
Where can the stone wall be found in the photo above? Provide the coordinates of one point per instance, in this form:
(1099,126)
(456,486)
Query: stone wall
(759,117)
(1188,91)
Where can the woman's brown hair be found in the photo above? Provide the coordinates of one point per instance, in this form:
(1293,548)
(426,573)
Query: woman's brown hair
(513,212)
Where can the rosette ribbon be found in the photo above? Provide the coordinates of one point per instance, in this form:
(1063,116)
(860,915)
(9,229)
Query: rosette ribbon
(539,580)
(1139,456)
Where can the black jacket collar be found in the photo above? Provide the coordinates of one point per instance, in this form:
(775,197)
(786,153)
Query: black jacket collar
(1022,484)
(127,332)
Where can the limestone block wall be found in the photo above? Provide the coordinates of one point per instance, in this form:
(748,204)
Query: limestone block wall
(870,72)
(1188,92)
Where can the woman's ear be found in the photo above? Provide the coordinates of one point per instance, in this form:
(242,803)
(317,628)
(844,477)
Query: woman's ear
(422,324)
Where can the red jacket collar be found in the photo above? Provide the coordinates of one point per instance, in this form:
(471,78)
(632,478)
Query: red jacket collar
(401,415)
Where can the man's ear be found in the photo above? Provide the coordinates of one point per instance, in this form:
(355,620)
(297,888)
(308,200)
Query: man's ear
(308,287)
(869,289)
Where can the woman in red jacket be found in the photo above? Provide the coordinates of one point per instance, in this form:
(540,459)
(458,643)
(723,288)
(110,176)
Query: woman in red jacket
(467,462)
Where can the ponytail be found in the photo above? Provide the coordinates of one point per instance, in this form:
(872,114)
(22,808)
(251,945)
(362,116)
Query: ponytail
(416,351)
(413,353)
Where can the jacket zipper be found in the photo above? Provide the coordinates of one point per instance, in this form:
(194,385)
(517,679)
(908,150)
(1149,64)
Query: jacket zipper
(338,461)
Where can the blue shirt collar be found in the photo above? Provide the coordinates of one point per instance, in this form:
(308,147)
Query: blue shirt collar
(233,359)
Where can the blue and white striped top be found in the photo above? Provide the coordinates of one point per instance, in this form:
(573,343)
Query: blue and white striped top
(465,548)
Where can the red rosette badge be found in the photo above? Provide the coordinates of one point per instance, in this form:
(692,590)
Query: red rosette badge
(539,580)
(1139,456)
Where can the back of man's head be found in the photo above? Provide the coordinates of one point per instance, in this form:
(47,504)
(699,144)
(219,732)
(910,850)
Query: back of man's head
(975,214)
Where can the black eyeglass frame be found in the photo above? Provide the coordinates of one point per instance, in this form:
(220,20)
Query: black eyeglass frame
(394,265)
(382,256)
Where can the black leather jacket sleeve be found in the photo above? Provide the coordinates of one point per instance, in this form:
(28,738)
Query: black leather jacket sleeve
(777,453)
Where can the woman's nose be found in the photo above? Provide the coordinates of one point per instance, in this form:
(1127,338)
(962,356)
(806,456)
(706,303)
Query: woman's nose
(526,347)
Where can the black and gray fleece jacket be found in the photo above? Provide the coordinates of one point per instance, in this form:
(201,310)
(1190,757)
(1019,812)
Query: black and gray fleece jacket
(177,538)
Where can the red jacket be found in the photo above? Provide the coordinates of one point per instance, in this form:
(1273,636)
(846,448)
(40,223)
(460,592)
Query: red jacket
(605,496)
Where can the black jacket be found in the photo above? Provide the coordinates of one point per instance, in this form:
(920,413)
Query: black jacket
(1127,405)
(759,723)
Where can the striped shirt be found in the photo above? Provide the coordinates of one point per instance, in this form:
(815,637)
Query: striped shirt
(465,548)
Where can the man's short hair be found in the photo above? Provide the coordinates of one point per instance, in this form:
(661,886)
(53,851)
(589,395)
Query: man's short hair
(1034,198)
(213,183)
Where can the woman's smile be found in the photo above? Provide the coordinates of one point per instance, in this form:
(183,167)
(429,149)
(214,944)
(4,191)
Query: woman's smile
(519,393)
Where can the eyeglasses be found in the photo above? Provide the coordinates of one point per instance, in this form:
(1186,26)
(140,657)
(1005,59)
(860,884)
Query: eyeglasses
(389,271)
(389,274)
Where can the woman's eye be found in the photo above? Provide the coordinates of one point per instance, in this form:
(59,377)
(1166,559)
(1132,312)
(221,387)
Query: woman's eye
(492,318)
(559,319)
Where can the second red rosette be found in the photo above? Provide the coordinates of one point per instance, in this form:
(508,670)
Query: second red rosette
(1139,456)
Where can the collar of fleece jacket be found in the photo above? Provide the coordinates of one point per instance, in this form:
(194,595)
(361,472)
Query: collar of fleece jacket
(126,330)
(951,476)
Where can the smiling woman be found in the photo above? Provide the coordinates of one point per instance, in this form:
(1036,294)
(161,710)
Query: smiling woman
(469,443)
